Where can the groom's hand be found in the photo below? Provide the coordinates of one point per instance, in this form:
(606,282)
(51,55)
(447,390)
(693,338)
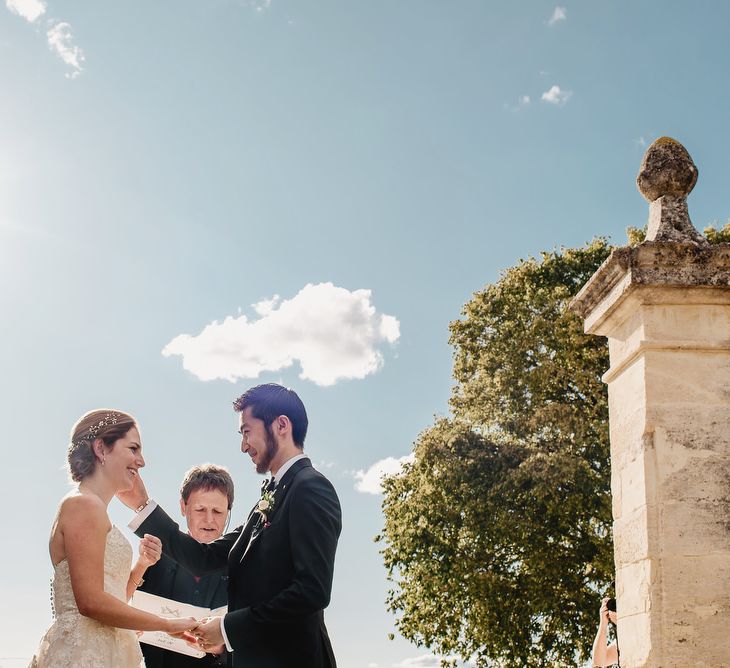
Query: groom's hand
(136,496)
(209,634)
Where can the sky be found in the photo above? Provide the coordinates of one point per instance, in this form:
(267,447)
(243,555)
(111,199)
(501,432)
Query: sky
(200,195)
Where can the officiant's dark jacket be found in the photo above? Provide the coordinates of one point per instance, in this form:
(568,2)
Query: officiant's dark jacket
(279,572)
(167,578)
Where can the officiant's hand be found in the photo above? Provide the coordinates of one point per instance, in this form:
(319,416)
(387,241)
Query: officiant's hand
(208,634)
(136,496)
(150,550)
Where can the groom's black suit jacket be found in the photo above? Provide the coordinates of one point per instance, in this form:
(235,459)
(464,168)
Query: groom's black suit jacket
(279,574)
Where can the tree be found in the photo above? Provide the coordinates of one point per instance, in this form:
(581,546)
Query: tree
(715,236)
(722,236)
(497,536)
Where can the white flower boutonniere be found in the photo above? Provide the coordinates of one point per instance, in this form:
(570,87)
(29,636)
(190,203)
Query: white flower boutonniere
(265,506)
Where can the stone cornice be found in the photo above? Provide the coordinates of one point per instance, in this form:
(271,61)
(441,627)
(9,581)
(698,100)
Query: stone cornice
(652,263)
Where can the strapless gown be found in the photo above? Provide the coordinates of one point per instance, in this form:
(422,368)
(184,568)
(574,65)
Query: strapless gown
(79,642)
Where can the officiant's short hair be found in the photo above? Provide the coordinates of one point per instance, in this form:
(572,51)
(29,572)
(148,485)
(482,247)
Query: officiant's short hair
(269,401)
(207,477)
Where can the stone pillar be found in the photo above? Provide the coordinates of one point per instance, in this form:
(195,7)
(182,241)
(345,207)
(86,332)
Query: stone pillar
(665,307)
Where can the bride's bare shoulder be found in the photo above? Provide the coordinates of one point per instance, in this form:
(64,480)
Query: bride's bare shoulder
(79,517)
(78,507)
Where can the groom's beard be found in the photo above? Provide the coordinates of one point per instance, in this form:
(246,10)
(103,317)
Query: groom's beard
(272,447)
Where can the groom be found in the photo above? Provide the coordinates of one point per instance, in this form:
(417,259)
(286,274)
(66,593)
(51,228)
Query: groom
(281,561)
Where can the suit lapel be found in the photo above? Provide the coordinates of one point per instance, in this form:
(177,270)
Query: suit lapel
(244,537)
(283,487)
(281,490)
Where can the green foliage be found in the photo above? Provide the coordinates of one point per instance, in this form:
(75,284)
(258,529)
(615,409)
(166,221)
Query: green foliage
(722,236)
(715,236)
(497,537)
(636,235)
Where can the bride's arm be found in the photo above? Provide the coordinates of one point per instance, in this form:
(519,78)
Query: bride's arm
(84,526)
(150,551)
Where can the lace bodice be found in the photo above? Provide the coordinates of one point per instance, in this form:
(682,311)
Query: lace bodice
(77,641)
(117,564)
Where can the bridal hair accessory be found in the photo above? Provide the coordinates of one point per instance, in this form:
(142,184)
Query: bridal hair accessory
(108,420)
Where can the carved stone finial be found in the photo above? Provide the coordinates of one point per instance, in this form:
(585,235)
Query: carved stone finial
(666,177)
(667,169)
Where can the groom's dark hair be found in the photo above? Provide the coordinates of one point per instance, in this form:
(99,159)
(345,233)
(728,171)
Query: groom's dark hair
(269,401)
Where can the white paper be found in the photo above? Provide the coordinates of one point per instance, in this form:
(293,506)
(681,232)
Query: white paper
(165,607)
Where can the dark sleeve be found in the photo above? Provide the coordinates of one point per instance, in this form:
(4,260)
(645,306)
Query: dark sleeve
(197,557)
(158,577)
(315,521)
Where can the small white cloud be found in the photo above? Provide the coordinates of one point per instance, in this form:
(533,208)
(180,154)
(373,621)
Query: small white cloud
(333,333)
(559,14)
(370,481)
(372,665)
(641,142)
(423,661)
(60,40)
(556,96)
(522,102)
(30,10)
(266,306)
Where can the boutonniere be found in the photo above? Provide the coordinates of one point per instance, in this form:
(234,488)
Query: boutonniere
(265,506)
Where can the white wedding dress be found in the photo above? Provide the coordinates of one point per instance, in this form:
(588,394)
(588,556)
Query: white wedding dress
(75,641)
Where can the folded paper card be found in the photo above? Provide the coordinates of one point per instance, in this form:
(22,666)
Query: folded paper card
(165,607)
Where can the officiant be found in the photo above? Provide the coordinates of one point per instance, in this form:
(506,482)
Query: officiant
(206,499)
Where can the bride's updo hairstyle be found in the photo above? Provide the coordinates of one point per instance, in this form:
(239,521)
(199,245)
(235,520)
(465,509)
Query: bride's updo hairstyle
(104,423)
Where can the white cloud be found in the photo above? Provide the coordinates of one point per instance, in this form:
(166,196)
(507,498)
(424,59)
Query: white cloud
(266,306)
(370,481)
(641,142)
(423,661)
(522,102)
(556,95)
(333,333)
(60,40)
(30,10)
(60,37)
(559,14)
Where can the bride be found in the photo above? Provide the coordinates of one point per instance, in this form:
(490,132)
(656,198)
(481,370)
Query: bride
(93,626)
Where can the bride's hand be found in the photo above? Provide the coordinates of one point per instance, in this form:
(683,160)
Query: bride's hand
(150,550)
(136,496)
(179,627)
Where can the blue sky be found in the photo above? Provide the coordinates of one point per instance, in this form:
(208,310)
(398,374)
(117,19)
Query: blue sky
(328,182)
